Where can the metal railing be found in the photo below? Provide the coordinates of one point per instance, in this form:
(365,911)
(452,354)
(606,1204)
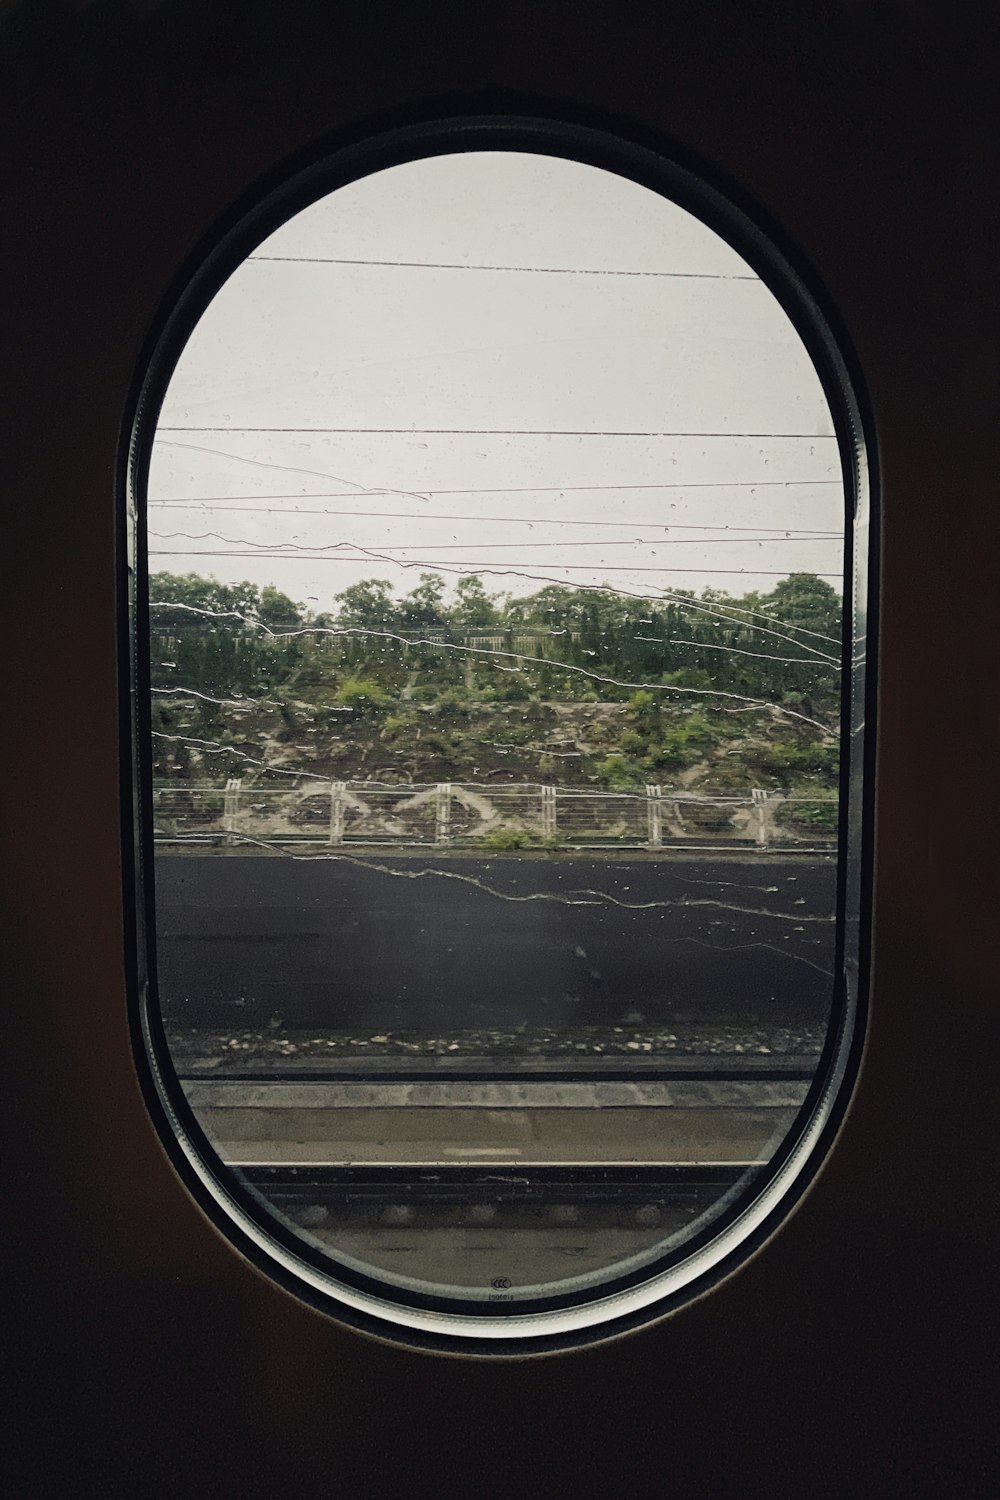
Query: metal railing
(462,814)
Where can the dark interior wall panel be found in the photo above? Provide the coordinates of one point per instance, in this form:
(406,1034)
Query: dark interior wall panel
(852,1355)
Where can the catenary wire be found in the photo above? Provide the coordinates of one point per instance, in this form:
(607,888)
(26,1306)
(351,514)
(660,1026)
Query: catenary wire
(405,515)
(500,489)
(812,437)
(428,562)
(444,265)
(685,541)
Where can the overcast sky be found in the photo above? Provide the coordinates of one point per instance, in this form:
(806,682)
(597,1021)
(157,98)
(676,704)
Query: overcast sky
(560,377)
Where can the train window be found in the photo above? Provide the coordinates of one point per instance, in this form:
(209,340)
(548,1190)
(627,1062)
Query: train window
(497,525)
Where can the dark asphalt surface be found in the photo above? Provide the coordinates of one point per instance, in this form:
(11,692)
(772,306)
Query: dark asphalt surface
(425,942)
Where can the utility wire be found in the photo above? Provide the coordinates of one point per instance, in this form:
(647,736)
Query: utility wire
(447,265)
(427,562)
(501,489)
(684,541)
(361,489)
(405,515)
(813,437)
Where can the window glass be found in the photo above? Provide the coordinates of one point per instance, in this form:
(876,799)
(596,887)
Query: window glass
(496,529)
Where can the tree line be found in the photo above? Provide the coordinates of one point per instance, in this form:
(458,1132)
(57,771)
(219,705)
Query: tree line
(783,645)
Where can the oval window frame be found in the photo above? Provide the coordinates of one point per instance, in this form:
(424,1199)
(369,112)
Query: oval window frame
(660,1287)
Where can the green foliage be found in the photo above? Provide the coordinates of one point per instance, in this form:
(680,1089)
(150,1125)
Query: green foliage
(786,761)
(668,643)
(452,705)
(291,724)
(215,646)
(425,605)
(367,605)
(537,712)
(364,697)
(805,600)
(474,608)
(396,725)
(819,815)
(683,744)
(327,718)
(192,594)
(277,611)
(671,754)
(693,677)
(644,709)
(439,744)
(633,743)
(517,838)
(507,838)
(616,774)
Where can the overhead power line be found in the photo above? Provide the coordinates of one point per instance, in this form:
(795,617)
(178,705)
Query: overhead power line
(423,515)
(428,562)
(458,265)
(813,437)
(362,489)
(685,541)
(508,489)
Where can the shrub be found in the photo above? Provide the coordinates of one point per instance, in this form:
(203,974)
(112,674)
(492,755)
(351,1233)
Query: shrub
(452,705)
(508,838)
(670,755)
(819,815)
(365,697)
(786,761)
(538,712)
(616,773)
(326,717)
(439,744)
(394,726)
(682,745)
(633,743)
(644,709)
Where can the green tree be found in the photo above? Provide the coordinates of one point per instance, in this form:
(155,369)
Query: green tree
(425,604)
(277,611)
(474,608)
(194,593)
(803,599)
(367,605)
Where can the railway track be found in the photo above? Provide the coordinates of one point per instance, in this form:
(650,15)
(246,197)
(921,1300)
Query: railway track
(511,1192)
(485,1231)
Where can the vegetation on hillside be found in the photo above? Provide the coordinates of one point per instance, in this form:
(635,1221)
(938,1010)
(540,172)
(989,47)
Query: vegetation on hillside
(571,686)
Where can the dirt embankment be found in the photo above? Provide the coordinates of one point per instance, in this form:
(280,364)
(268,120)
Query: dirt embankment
(588,745)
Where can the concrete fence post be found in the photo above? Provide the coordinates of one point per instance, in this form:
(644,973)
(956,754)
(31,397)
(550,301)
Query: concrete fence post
(231,808)
(337,790)
(759,797)
(548,812)
(654,816)
(442,813)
